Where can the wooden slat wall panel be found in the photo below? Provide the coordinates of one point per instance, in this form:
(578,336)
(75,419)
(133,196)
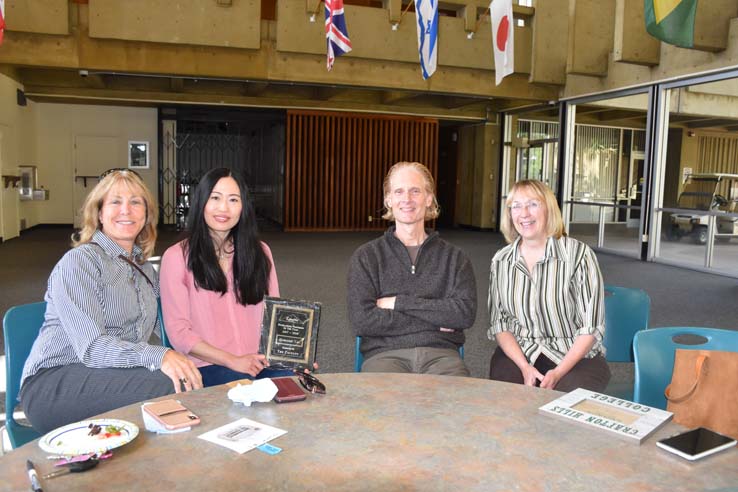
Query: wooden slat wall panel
(336,163)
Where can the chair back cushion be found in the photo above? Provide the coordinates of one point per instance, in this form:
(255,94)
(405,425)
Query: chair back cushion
(162,331)
(21,326)
(626,313)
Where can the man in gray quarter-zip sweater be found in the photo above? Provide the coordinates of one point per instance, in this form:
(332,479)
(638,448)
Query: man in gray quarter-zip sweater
(410,293)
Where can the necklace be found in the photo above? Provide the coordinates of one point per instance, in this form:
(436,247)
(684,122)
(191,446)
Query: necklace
(224,251)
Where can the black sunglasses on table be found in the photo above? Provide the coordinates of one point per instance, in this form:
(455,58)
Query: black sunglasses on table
(306,379)
(310,382)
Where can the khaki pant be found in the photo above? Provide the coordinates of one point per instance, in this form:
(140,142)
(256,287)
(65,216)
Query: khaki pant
(419,360)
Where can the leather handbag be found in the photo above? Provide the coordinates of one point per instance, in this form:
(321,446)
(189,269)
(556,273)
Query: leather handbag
(704,390)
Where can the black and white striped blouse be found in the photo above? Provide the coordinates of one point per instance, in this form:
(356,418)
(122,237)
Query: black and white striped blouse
(100,311)
(547,311)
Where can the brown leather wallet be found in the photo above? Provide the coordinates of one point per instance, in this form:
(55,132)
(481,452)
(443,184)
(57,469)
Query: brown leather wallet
(288,390)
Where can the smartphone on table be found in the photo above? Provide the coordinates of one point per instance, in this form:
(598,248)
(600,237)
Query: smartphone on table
(171,414)
(696,443)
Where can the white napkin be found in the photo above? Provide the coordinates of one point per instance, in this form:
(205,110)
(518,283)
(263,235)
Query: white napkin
(260,390)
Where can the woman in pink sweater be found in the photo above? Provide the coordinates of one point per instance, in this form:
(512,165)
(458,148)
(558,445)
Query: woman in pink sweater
(214,281)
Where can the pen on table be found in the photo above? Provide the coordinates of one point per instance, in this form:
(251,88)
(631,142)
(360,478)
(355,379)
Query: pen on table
(33,477)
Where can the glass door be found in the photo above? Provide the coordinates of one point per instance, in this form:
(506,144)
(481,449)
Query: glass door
(531,143)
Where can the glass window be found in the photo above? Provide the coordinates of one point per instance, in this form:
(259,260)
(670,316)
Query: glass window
(608,173)
(699,210)
(531,148)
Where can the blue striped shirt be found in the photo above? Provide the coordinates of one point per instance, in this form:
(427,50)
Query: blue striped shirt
(546,311)
(100,311)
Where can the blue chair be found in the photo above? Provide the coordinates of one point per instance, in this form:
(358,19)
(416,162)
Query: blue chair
(359,357)
(162,331)
(654,356)
(21,326)
(626,313)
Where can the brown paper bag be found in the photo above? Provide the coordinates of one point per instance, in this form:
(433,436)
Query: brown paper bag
(704,390)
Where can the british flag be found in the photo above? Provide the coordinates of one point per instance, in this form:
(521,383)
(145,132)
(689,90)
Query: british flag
(336,33)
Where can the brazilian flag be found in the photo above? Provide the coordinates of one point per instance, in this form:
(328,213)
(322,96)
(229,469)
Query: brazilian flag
(671,21)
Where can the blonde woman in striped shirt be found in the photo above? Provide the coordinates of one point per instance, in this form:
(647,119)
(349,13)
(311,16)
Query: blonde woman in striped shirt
(92,353)
(545,299)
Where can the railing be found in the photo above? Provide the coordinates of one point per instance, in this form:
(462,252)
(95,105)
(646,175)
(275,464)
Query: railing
(712,233)
(601,217)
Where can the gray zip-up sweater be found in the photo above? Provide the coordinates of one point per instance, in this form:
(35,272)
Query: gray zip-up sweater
(438,291)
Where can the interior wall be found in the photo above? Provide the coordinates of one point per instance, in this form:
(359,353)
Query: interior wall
(467,140)
(60,125)
(486,176)
(688,155)
(231,40)
(16,149)
(336,164)
(479,149)
(447,179)
(565,47)
(673,62)
(681,153)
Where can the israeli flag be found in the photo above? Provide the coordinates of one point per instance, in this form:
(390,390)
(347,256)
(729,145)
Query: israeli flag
(426,12)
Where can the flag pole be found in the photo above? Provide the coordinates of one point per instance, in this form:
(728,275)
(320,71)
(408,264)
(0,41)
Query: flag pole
(315,11)
(479,19)
(411,2)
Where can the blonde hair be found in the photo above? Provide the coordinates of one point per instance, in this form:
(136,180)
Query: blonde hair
(93,204)
(554,221)
(431,212)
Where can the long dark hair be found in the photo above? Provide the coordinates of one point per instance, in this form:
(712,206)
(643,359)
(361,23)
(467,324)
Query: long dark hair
(251,267)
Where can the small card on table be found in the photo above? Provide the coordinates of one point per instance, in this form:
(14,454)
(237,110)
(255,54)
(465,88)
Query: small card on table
(242,435)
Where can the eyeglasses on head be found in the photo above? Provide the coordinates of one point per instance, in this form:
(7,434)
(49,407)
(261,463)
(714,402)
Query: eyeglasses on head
(119,170)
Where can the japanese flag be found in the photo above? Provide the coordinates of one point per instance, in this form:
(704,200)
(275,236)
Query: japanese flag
(501,14)
(2,19)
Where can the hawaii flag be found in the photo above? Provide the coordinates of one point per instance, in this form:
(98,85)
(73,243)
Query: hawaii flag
(426,12)
(500,12)
(335,31)
(2,19)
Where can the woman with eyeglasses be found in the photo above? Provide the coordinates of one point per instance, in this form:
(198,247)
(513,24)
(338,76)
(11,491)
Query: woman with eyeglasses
(545,299)
(92,353)
(214,281)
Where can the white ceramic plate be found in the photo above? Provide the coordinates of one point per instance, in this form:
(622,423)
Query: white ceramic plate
(74,439)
